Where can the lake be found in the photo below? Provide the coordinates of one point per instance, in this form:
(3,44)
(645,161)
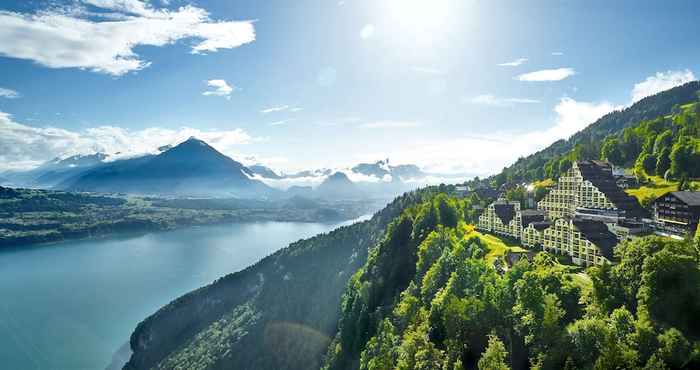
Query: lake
(71,305)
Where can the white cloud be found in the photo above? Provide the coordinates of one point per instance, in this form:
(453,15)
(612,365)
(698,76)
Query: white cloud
(367,31)
(105,41)
(280,122)
(23,146)
(280,108)
(219,88)
(572,116)
(547,75)
(8,93)
(514,63)
(390,124)
(485,154)
(557,53)
(492,100)
(659,82)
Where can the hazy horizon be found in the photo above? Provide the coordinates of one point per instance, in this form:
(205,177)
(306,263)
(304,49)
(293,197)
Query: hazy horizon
(445,85)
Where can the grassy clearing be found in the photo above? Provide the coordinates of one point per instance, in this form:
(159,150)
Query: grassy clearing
(582,280)
(656,188)
(497,247)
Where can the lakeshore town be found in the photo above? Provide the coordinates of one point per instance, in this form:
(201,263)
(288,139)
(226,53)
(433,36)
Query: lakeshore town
(587,213)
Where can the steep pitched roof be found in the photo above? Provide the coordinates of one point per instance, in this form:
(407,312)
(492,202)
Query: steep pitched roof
(531,215)
(505,212)
(541,225)
(600,175)
(597,233)
(691,198)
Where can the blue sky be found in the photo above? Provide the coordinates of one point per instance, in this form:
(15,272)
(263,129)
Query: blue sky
(451,85)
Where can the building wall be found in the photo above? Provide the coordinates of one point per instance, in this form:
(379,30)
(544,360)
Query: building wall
(564,238)
(531,237)
(675,216)
(571,192)
(489,221)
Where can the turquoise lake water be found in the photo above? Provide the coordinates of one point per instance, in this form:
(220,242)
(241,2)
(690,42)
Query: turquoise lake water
(71,305)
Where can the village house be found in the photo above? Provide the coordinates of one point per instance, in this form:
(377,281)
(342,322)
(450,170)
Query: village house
(676,213)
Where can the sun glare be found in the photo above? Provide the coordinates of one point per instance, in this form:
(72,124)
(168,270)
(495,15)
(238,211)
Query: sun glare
(420,20)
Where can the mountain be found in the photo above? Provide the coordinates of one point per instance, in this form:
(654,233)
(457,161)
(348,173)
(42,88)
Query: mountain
(309,173)
(55,171)
(190,168)
(338,186)
(265,172)
(382,168)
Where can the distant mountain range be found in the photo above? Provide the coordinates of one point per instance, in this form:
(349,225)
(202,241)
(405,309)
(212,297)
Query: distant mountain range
(194,168)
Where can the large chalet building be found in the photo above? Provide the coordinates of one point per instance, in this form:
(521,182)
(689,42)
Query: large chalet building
(676,213)
(589,190)
(576,218)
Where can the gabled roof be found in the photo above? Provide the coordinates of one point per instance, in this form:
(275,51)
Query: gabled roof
(597,233)
(691,198)
(600,175)
(505,212)
(531,215)
(541,225)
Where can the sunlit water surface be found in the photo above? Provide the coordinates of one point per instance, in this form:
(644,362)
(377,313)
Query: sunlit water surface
(71,305)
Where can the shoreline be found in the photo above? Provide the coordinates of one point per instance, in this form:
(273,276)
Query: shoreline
(136,233)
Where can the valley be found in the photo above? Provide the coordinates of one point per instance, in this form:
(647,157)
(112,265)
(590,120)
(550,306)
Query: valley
(30,216)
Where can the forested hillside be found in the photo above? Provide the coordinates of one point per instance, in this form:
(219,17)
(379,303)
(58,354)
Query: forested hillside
(280,313)
(586,144)
(428,298)
(422,292)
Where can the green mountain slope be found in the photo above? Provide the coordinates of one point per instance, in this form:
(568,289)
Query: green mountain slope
(428,299)
(587,142)
(280,313)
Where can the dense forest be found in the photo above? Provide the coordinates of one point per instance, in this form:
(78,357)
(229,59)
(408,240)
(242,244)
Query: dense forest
(427,298)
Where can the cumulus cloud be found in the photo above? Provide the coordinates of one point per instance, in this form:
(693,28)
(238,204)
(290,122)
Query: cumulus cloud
(485,154)
(659,82)
(218,88)
(547,75)
(8,93)
(514,63)
(572,116)
(492,100)
(23,146)
(104,41)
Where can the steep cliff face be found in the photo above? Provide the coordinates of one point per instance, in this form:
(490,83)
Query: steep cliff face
(280,313)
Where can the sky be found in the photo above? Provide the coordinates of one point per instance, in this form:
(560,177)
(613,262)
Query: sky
(454,86)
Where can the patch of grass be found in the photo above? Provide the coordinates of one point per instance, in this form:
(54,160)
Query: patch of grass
(497,247)
(582,280)
(546,183)
(656,187)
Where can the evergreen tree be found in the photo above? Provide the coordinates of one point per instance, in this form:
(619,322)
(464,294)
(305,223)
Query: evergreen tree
(495,355)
